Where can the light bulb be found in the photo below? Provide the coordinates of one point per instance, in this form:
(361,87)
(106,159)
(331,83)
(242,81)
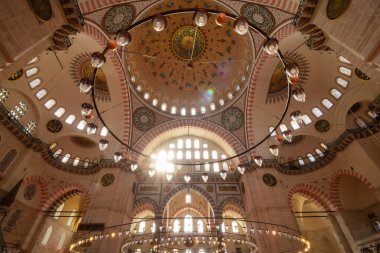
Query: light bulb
(91,128)
(97,59)
(241,169)
(85,85)
(299,94)
(241,26)
(271,46)
(273,149)
(204,177)
(123,37)
(117,157)
(258,160)
(103,144)
(159,22)
(86,109)
(200,18)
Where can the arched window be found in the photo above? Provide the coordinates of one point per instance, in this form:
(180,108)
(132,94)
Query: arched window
(170,155)
(345,71)
(319,152)
(311,157)
(216,167)
(214,155)
(188,154)
(50,103)
(197,155)
(188,223)
(294,124)
(176,226)
(146,95)
(8,159)
(193,111)
(173,110)
(30,72)
(300,161)
(323,145)
(71,218)
(327,103)
(65,158)
(34,60)
(235,227)
(86,162)
(207,167)
(154,101)
(41,94)
(61,241)
(342,82)
(164,107)
(57,153)
(188,198)
(203,109)
(59,112)
(35,83)
(200,226)
(212,107)
(335,93)
(70,119)
(196,144)
(283,128)
(183,111)
(179,143)
(317,112)
(306,119)
(104,131)
(153,227)
(81,125)
(142,227)
(188,143)
(47,235)
(205,154)
(221,101)
(76,161)
(272,133)
(52,146)
(344,60)
(223,227)
(179,155)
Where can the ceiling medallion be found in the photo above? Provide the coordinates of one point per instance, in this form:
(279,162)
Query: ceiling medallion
(118,17)
(361,74)
(107,179)
(30,191)
(259,16)
(322,126)
(188,42)
(335,8)
(143,119)
(269,179)
(233,118)
(16,75)
(54,126)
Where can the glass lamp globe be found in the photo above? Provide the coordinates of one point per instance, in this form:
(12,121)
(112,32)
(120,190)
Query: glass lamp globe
(204,177)
(134,167)
(86,109)
(123,37)
(117,157)
(241,169)
(271,46)
(103,144)
(299,94)
(200,18)
(241,26)
(187,178)
(169,177)
(97,59)
(292,70)
(221,19)
(297,117)
(159,22)
(151,172)
(273,149)
(258,160)
(85,85)
(223,174)
(288,135)
(91,128)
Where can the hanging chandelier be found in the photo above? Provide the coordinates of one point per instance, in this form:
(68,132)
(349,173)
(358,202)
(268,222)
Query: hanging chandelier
(201,19)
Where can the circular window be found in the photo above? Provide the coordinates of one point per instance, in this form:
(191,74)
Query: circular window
(322,126)
(269,179)
(107,179)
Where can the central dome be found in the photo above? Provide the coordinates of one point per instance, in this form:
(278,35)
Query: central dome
(158,64)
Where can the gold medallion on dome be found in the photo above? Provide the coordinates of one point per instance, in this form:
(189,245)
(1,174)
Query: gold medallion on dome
(188,42)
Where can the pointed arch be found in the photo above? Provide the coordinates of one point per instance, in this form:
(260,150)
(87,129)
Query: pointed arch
(144,204)
(42,184)
(232,204)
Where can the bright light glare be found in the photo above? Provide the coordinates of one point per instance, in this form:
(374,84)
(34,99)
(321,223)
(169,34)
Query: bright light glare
(162,164)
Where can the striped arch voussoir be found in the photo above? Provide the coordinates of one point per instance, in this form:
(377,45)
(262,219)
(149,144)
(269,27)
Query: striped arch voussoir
(42,184)
(191,207)
(335,181)
(280,34)
(64,194)
(94,33)
(232,204)
(319,197)
(145,204)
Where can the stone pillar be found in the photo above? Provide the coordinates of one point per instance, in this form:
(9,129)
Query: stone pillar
(343,233)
